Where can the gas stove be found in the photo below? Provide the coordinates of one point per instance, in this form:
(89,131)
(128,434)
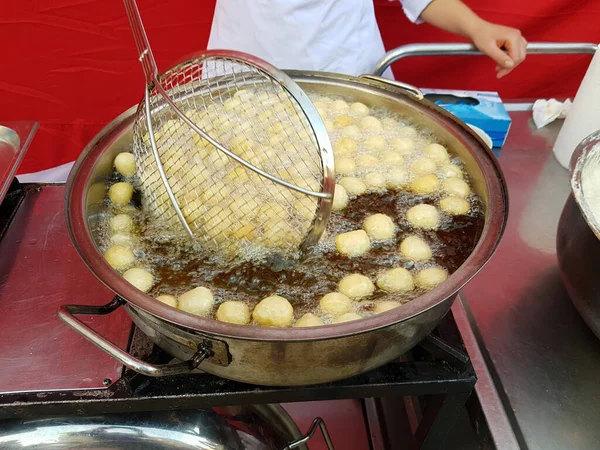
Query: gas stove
(50,371)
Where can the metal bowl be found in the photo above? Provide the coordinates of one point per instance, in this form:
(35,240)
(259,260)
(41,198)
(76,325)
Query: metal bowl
(288,356)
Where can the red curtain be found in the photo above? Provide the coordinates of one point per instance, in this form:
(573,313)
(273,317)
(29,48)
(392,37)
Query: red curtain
(71,64)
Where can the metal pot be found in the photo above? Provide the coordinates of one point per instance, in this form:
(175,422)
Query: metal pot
(578,236)
(285,356)
(261,427)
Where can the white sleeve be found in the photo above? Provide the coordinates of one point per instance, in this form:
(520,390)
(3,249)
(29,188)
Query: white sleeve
(414,8)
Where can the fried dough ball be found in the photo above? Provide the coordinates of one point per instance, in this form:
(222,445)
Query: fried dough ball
(198,301)
(335,303)
(393,158)
(408,132)
(379,226)
(397,178)
(339,106)
(425,184)
(348,317)
(437,152)
(403,145)
(124,240)
(415,249)
(356,286)
(120,193)
(456,187)
(119,257)
(125,164)
(140,278)
(370,124)
(430,277)
(376,143)
(343,121)
(273,311)
(365,161)
(345,146)
(423,216)
(360,109)
(353,243)
(121,222)
(423,166)
(351,131)
(386,305)
(375,182)
(345,166)
(454,206)
(340,198)
(451,170)
(395,280)
(170,300)
(353,186)
(308,320)
(233,312)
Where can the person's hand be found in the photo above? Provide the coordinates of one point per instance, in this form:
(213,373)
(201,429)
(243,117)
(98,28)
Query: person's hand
(504,45)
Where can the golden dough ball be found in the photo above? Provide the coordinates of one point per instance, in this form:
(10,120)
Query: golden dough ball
(340,198)
(125,164)
(403,145)
(343,121)
(430,277)
(351,131)
(415,249)
(389,124)
(120,193)
(121,222)
(354,186)
(397,178)
(306,207)
(345,146)
(242,230)
(353,243)
(329,126)
(376,182)
(386,305)
(193,212)
(345,166)
(456,187)
(280,235)
(198,301)
(339,106)
(308,320)
(437,152)
(395,280)
(322,110)
(360,109)
(423,166)
(274,311)
(320,104)
(370,124)
(242,146)
(123,239)
(244,94)
(423,216)
(170,300)
(451,170)
(408,132)
(140,278)
(119,257)
(335,303)
(425,184)
(379,226)
(356,286)
(454,206)
(366,161)
(232,104)
(233,312)
(375,143)
(348,317)
(392,158)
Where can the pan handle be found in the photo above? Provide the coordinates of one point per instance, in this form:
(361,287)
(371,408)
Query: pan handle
(533,48)
(317,423)
(67,314)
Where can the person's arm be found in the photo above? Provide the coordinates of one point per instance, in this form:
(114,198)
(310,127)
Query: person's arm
(493,40)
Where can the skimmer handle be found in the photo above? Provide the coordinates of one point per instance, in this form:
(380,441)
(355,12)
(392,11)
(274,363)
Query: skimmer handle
(141,41)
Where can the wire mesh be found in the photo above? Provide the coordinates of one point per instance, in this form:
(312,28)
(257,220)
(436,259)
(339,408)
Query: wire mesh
(228,207)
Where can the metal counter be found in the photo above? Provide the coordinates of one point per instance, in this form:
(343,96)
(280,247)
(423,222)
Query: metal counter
(542,360)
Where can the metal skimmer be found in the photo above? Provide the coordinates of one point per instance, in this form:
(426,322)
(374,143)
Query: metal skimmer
(230,149)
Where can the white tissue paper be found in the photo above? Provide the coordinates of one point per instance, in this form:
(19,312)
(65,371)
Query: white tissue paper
(547,111)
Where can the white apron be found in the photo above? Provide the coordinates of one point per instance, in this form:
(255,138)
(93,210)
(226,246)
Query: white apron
(339,36)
